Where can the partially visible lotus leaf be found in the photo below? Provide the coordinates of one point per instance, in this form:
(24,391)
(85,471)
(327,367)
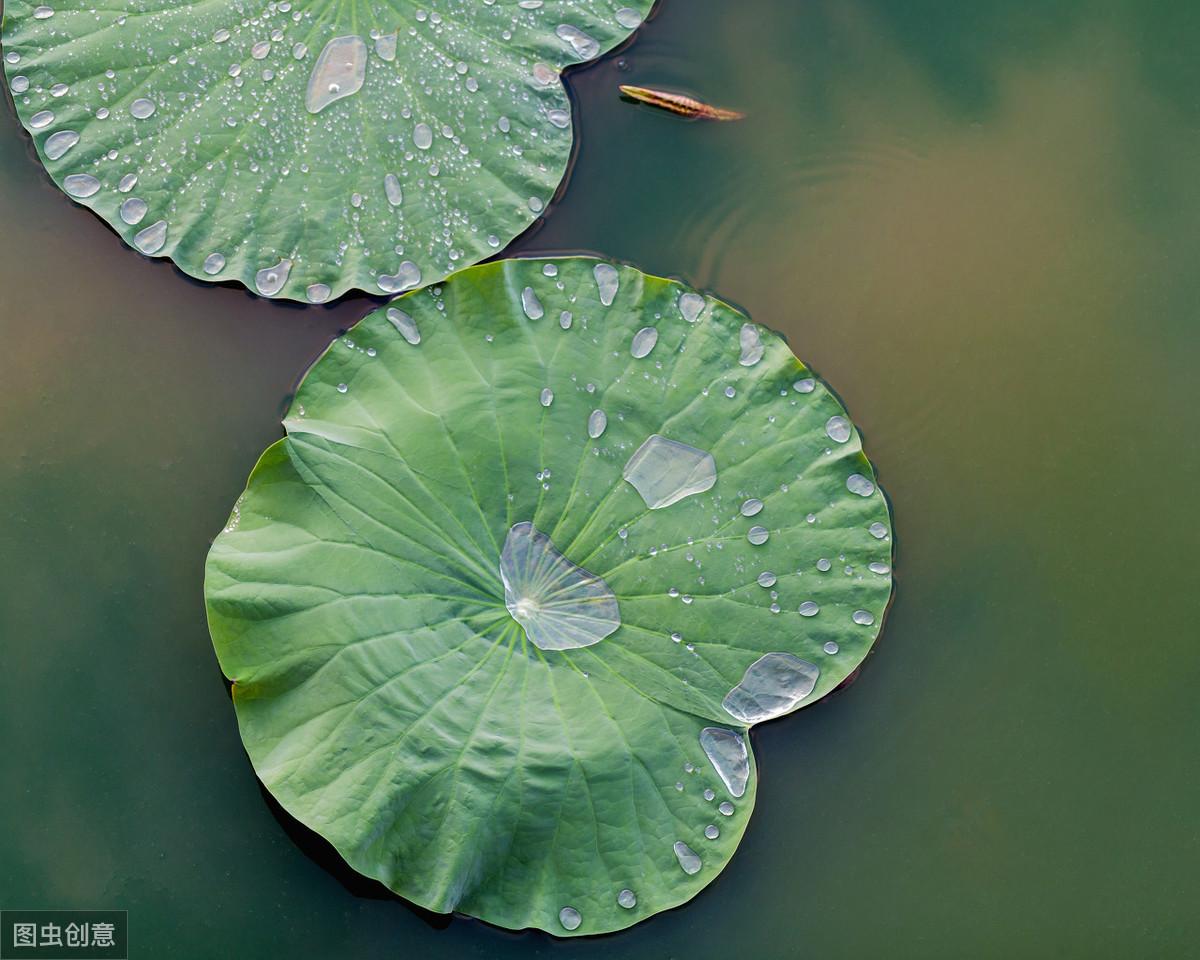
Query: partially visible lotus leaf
(307,148)
(539,547)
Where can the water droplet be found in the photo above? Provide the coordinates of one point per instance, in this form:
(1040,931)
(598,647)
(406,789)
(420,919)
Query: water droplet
(629,18)
(711,831)
(128,182)
(20,84)
(804,386)
(385,47)
(725,809)
(342,388)
(757,535)
(726,751)
(830,647)
(299,51)
(221,36)
(141,108)
(665,471)
(536,204)
(423,136)
(607,282)
(546,397)
(560,605)
(879,568)
(767,579)
(406,277)
(824,564)
(809,609)
(405,325)
(708,794)
(730,392)
(771,686)
(751,344)
(43,118)
(627,899)
(133,210)
(392,189)
(559,118)
(339,72)
(318,292)
(81,185)
(564,319)
(270,280)
(837,429)
(152,239)
(569,917)
(584,46)
(691,305)
(12,57)
(878,530)
(688,859)
(59,143)
(751,507)
(260,50)
(597,423)
(643,342)
(857,483)
(531,304)
(863,618)
(43,13)
(59,90)
(214,263)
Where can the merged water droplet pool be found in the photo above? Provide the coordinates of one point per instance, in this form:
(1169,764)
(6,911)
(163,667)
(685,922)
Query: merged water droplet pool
(585,47)
(270,280)
(559,604)
(726,751)
(665,471)
(772,685)
(339,72)
(406,277)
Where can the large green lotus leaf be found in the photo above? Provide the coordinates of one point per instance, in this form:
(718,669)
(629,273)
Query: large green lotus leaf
(307,148)
(539,547)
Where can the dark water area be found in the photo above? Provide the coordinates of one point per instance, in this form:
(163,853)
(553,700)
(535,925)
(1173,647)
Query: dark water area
(979,222)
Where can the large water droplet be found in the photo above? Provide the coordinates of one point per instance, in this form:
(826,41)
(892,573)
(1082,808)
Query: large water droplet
(151,240)
(665,471)
(43,13)
(59,143)
(837,429)
(133,210)
(318,292)
(569,917)
(751,344)
(559,118)
(767,579)
(339,72)
(809,608)
(688,859)
(405,325)
(391,187)
(878,530)
(758,535)
(627,899)
(584,46)
(423,136)
(385,47)
(531,304)
(20,83)
(607,282)
(643,342)
(406,277)
(141,108)
(804,386)
(546,397)
(751,507)
(597,423)
(711,831)
(559,604)
(771,686)
(864,618)
(128,182)
(725,809)
(629,18)
(691,305)
(726,751)
(270,280)
(214,263)
(43,118)
(81,185)
(857,483)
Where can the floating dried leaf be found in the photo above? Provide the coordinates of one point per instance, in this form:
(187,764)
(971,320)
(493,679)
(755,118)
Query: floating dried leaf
(677,103)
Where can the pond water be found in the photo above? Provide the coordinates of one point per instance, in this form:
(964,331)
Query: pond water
(979,221)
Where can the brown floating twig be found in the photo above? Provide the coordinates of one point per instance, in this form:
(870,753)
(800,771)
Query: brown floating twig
(678,104)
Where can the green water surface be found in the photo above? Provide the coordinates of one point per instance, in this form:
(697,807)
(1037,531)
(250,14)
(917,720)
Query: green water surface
(980,221)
